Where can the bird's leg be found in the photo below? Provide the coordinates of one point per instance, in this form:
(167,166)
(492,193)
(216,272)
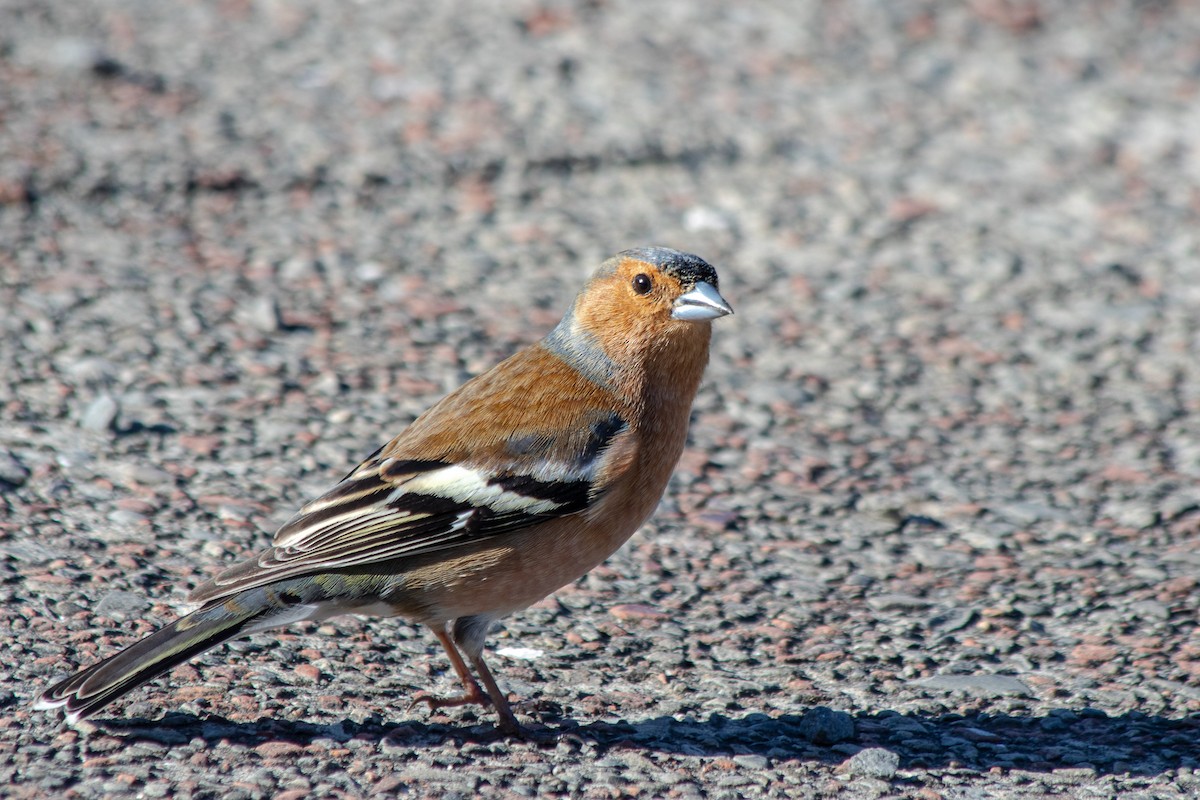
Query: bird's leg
(508,722)
(472,695)
(470,634)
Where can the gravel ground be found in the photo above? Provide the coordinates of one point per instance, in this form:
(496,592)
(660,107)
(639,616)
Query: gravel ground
(937,534)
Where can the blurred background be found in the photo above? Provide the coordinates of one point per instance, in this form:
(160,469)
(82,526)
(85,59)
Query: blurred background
(945,468)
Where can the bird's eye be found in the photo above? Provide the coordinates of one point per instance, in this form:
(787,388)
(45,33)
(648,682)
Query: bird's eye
(641,283)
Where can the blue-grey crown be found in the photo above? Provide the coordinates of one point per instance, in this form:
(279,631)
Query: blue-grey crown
(685,267)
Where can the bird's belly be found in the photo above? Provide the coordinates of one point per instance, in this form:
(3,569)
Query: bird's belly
(514,573)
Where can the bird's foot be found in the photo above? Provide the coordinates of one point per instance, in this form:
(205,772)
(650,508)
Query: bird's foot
(473,696)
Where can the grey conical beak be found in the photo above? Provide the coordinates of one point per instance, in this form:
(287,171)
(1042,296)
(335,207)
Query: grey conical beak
(701,303)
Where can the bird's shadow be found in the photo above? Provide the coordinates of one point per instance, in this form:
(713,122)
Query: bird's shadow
(1133,743)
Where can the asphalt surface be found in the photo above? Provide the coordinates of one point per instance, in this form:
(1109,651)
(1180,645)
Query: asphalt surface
(937,532)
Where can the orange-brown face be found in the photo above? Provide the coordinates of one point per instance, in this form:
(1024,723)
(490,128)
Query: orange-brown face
(642,299)
(639,289)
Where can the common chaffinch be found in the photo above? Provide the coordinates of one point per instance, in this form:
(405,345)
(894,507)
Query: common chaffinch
(507,489)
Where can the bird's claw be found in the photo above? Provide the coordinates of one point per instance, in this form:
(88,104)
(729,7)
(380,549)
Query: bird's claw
(476,697)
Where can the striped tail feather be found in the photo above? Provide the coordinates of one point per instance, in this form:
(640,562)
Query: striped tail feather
(88,691)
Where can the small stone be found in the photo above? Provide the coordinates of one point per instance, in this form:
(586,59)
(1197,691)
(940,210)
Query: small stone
(101,414)
(232,510)
(632,611)
(308,672)
(70,53)
(154,736)
(12,472)
(520,653)
(824,726)
(1130,514)
(1029,609)
(264,314)
(703,218)
(1151,609)
(977,685)
(1093,654)
(119,604)
(339,416)
(124,518)
(327,383)
(874,762)
(1025,513)
(388,786)
(1055,723)
(370,272)
(137,505)
(977,735)
(96,371)
(954,620)
(143,474)
(279,749)
(897,602)
(751,762)
(1072,775)
(31,552)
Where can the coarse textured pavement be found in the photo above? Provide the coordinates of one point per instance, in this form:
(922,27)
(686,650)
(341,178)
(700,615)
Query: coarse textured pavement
(937,534)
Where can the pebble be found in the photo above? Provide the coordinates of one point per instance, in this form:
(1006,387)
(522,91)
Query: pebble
(12,471)
(279,749)
(121,518)
(264,314)
(977,685)
(823,726)
(31,553)
(874,762)
(119,604)
(101,414)
(897,602)
(757,763)
(954,620)
(144,474)
(1072,775)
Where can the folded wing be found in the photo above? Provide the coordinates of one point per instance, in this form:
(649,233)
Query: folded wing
(392,508)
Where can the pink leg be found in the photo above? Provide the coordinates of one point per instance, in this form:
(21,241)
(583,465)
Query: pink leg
(472,695)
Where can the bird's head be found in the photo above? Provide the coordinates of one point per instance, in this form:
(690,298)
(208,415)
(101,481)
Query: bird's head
(642,305)
(650,291)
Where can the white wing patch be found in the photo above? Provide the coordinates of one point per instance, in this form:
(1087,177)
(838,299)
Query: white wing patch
(465,485)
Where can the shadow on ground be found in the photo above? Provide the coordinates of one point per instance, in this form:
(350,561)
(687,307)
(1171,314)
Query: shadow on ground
(1134,743)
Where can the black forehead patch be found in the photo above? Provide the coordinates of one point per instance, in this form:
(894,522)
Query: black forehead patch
(684,267)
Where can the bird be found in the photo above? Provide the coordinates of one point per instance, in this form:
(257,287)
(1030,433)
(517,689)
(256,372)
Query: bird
(512,486)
